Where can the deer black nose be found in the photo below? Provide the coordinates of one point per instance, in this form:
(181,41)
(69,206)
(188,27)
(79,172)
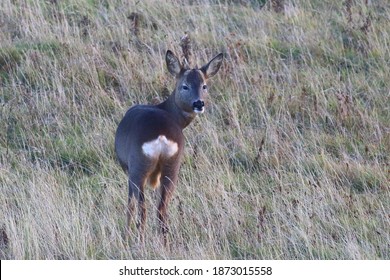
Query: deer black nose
(198,106)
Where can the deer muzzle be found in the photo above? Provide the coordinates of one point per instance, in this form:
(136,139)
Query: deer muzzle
(198,106)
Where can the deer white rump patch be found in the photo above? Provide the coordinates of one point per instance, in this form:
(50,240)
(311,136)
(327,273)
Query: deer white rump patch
(160,147)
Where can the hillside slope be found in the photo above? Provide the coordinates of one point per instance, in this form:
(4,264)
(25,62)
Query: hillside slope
(290,160)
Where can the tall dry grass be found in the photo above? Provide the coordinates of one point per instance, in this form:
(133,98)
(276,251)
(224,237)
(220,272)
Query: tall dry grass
(290,160)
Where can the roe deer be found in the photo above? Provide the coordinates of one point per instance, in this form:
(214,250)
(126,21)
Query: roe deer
(149,140)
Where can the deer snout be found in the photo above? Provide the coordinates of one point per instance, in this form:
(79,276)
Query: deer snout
(198,106)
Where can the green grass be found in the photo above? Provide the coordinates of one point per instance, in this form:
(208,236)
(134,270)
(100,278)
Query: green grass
(290,160)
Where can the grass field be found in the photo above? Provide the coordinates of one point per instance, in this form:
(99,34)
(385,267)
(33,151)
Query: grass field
(290,161)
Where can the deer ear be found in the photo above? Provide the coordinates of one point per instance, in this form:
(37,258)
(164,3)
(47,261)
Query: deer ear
(173,63)
(211,68)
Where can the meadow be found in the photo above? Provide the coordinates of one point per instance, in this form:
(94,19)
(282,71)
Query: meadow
(289,161)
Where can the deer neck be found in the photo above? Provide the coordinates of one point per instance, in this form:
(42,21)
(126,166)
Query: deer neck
(181,117)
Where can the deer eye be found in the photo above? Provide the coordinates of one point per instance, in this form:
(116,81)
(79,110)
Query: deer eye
(184,87)
(204,87)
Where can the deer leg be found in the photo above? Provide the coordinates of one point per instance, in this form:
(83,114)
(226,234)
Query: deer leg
(166,193)
(130,207)
(142,214)
(136,190)
(168,183)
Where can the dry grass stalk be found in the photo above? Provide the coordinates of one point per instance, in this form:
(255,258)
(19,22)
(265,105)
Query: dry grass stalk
(185,43)
(135,23)
(348,7)
(277,6)
(345,103)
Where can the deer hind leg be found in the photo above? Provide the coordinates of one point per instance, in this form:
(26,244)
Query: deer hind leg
(136,190)
(168,183)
